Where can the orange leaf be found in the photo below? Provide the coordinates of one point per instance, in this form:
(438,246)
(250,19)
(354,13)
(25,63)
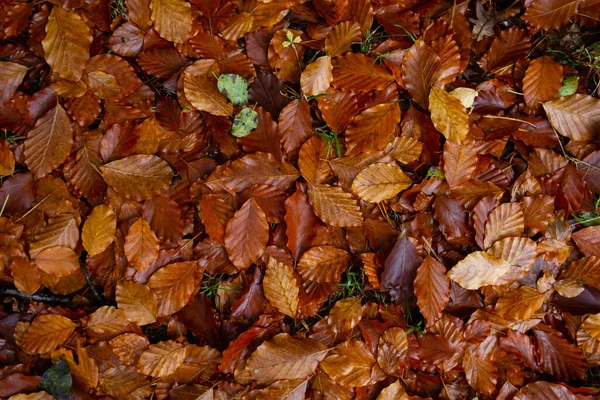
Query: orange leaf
(138,177)
(542,81)
(460,162)
(216,212)
(392,351)
(141,245)
(432,289)
(349,364)
(341,37)
(161,359)
(550,14)
(246,235)
(372,129)
(283,357)
(316,77)
(295,124)
(355,71)
(99,229)
(46,333)
(172,19)
(576,117)
(26,275)
(137,301)
(334,206)
(323,264)
(57,261)
(174,285)
(49,143)
(67,43)
(379,182)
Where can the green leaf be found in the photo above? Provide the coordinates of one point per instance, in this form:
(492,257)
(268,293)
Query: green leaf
(435,172)
(569,86)
(57,381)
(244,123)
(587,218)
(235,88)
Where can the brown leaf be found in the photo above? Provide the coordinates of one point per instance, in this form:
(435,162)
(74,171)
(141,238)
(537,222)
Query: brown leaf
(460,162)
(138,177)
(544,391)
(432,289)
(174,285)
(46,333)
(349,364)
(519,304)
(542,81)
(392,351)
(202,92)
(316,77)
(380,182)
(372,129)
(323,264)
(341,37)
(283,357)
(246,235)
(67,43)
(11,76)
(420,66)
(588,240)
(393,392)
(480,369)
(295,124)
(216,212)
(49,143)
(550,14)
(504,221)
(281,287)
(576,117)
(557,356)
(401,269)
(26,275)
(141,245)
(99,229)
(300,221)
(355,71)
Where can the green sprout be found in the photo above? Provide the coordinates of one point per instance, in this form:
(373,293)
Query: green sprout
(291,39)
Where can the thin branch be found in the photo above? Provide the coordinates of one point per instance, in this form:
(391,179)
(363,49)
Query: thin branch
(88,279)
(42,298)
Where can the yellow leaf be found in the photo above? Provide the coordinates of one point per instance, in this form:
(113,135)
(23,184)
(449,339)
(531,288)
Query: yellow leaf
(380,182)
(448,115)
(99,229)
(281,288)
(480,269)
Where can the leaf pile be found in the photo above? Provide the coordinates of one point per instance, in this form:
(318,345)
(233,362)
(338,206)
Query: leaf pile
(289,199)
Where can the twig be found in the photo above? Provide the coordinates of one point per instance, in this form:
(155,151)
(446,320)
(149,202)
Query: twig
(88,279)
(510,119)
(43,298)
